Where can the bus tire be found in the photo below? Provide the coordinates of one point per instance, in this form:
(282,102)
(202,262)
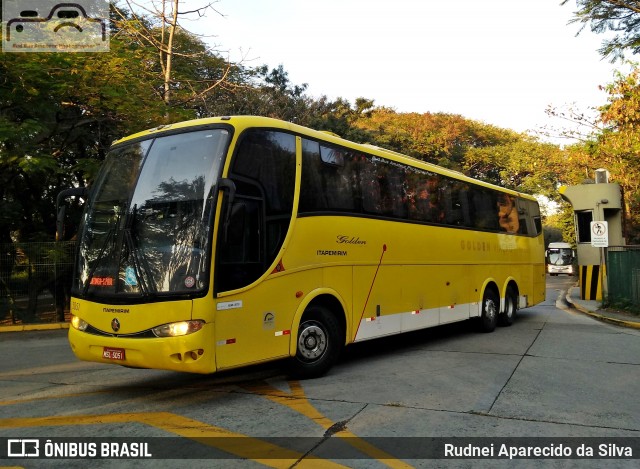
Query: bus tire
(319,343)
(490,309)
(507,317)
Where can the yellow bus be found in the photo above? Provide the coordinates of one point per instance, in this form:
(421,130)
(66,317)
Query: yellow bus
(222,242)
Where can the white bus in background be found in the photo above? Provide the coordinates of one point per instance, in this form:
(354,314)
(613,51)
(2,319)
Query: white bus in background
(559,259)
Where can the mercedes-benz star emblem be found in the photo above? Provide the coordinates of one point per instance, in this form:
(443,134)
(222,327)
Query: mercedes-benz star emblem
(115,324)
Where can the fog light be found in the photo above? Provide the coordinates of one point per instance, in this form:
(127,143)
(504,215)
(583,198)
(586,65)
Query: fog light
(78,323)
(177,329)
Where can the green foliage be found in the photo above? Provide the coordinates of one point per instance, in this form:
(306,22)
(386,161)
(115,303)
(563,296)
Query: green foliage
(60,112)
(619,17)
(618,145)
(439,138)
(525,165)
(615,147)
(559,226)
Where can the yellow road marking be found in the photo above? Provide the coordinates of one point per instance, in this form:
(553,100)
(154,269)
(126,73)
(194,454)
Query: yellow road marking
(297,401)
(238,444)
(61,368)
(210,435)
(45,398)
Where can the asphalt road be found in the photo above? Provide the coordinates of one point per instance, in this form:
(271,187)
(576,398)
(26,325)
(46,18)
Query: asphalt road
(556,379)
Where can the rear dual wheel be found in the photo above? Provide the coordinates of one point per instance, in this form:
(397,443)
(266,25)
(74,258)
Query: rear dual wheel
(490,310)
(510,308)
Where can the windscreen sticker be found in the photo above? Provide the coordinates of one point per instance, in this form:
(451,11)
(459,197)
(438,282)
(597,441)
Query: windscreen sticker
(229,305)
(130,277)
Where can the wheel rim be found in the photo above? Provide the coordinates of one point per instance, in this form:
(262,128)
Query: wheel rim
(312,341)
(490,309)
(510,307)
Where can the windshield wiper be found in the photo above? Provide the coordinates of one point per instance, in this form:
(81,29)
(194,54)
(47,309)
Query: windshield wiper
(140,265)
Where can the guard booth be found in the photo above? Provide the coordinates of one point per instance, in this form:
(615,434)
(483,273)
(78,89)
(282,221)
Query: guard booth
(597,207)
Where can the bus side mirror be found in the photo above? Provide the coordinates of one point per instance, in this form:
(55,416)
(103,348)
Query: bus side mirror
(61,207)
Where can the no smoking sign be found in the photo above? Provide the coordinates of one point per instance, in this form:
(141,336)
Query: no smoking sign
(599,234)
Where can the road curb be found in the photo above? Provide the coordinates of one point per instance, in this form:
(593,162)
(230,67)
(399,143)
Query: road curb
(35,327)
(601,317)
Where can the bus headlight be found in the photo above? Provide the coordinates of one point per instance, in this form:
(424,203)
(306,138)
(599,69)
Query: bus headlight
(78,323)
(176,329)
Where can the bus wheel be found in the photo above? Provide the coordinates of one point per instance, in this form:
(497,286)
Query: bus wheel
(490,309)
(318,344)
(510,307)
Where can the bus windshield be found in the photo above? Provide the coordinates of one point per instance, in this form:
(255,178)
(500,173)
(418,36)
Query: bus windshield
(146,228)
(559,256)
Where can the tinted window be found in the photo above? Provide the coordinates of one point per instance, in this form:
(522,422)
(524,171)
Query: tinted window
(263,171)
(342,180)
(383,188)
(266,160)
(329,179)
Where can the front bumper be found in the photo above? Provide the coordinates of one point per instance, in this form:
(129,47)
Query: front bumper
(193,353)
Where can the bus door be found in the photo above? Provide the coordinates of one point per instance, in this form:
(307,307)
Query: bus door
(255,218)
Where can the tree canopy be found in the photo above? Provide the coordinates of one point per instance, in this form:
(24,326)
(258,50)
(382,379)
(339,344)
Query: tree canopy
(619,17)
(60,112)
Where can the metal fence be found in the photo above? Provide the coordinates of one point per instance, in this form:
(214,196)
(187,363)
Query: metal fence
(35,279)
(623,273)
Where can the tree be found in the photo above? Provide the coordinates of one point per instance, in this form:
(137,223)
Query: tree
(617,16)
(614,144)
(439,138)
(559,226)
(525,165)
(59,113)
(160,29)
(618,146)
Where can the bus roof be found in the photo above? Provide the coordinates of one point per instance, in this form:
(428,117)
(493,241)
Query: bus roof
(244,122)
(559,245)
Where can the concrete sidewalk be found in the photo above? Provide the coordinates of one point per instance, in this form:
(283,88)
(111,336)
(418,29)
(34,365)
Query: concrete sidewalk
(595,310)
(47,326)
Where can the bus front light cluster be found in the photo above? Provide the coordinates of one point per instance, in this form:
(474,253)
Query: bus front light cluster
(177,329)
(79,324)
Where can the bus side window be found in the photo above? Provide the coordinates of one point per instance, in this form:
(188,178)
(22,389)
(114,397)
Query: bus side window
(241,259)
(312,194)
(243,243)
(461,192)
(383,188)
(329,179)
(263,171)
(485,214)
(391,180)
(525,220)
(370,188)
(452,203)
(340,182)
(533,213)
(508,213)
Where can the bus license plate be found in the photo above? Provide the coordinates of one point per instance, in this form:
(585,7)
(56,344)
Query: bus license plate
(113,353)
